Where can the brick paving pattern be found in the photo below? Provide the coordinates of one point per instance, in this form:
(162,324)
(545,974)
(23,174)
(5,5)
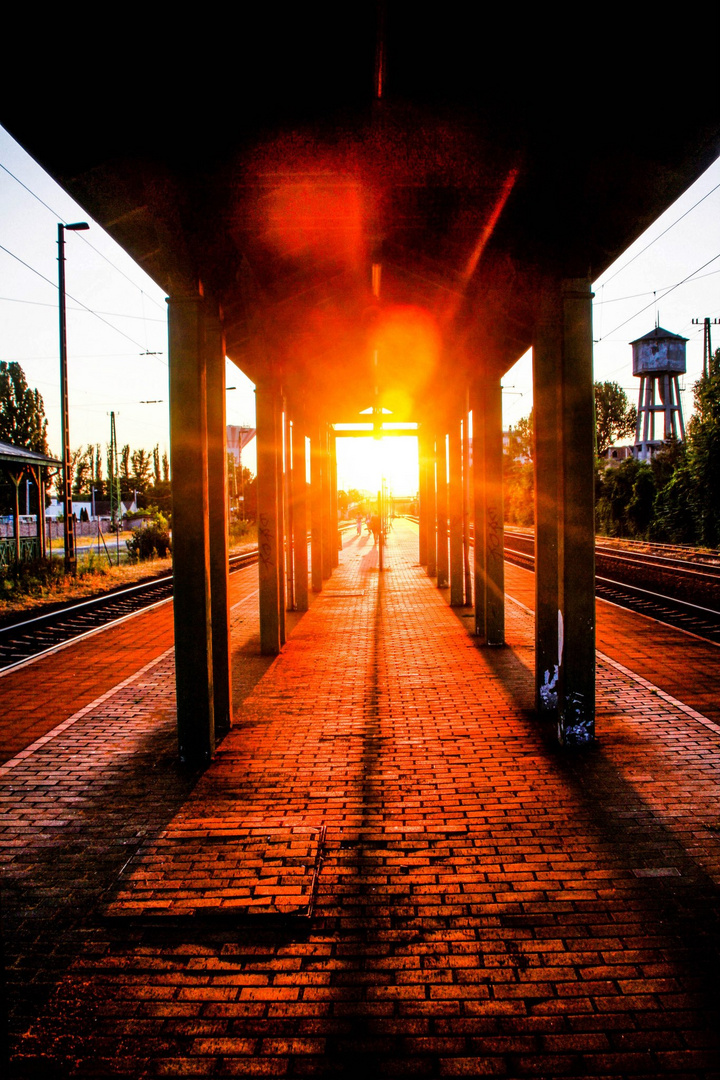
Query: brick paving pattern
(384,872)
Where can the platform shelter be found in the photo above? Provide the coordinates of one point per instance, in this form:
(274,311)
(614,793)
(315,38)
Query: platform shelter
(375,209)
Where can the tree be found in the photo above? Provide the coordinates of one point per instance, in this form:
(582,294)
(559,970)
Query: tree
(22,412)
(704,455)
(518,473)
(624,499)
(125,481)
(615,418)
(520,443)
(141,465)
(83,466)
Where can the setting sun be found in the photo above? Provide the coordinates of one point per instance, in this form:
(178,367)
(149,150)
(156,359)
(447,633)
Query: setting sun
(364,462)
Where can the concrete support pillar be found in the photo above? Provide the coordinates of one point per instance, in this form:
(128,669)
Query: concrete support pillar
(565,538)
(443,566)
(456,513)
(300,490)
(334,515)
(269,509)
(316,514)
(218,525)
(494,516)
(547,362)
(289,515)
(467,498)
(478,512)
(422,496)
(281,505)
(191,532)
(329,532)
(577,668)
(489,539)
(431,490)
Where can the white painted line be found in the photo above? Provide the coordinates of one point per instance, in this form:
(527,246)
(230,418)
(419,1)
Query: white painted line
(65,724)
(692,713)
(82,637)
(244,599)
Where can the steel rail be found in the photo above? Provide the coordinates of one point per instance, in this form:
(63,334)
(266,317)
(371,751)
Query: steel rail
(31,638)
(20,641)
(694,618)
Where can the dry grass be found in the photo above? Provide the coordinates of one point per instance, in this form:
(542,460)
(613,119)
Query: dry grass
(94,578)
(98,579)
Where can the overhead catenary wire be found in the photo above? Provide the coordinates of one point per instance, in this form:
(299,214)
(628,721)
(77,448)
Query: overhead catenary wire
(658,298)
(73,298)
(636,296)
(112,314)
(660,235)
(61,218)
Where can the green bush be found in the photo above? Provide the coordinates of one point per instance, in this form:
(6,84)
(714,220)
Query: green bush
(30,578)
(238,530)
(151,541)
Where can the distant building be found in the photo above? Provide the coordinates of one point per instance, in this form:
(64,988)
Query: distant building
(615,455)
(237,439)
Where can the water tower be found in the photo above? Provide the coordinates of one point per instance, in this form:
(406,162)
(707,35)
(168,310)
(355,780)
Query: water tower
(658,359)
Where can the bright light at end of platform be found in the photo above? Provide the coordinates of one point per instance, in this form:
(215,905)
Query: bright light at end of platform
(363,463)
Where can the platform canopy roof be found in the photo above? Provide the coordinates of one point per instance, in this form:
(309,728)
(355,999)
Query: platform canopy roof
(250,152)
(18,457)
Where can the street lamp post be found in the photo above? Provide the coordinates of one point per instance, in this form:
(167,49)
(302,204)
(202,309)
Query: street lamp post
(70,554)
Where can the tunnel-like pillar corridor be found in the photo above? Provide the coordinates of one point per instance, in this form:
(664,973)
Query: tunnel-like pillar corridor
(450,488)
(454,487)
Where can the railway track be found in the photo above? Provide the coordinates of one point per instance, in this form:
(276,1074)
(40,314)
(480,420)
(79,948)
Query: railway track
(24,640)
(21,641)
(675,585)
(682,592)
(690,600)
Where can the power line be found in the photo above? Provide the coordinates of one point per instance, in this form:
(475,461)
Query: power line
(654,301)
(660,235)
(112,314)
(648,292)
(73,298)
(85,356)
(92,246)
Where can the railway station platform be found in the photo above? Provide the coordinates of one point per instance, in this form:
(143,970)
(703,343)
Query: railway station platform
(384,871)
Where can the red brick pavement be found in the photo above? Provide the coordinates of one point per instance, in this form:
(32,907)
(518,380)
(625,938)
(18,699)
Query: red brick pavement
(384,872)
(681,664)
(36,697)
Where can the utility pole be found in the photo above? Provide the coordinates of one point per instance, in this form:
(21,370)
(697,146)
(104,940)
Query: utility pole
(114,485)
(707,342)
(70,553)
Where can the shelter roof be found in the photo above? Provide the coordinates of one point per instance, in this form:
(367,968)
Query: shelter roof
(496,157)
(19,455)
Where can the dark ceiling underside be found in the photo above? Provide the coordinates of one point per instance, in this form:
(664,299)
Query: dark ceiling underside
(250,154)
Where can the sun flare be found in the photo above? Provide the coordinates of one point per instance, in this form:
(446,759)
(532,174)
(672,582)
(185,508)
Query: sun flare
(364,462)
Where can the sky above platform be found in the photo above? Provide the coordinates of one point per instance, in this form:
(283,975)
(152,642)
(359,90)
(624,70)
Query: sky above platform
(117,325)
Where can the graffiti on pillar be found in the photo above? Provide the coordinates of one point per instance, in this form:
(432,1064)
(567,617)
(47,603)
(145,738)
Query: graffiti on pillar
(265,544)
(494,530)
(548,691)
(579,728)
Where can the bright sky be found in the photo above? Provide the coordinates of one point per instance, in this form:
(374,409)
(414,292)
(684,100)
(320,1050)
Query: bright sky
(673,272)
(117,324)
(116,318)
